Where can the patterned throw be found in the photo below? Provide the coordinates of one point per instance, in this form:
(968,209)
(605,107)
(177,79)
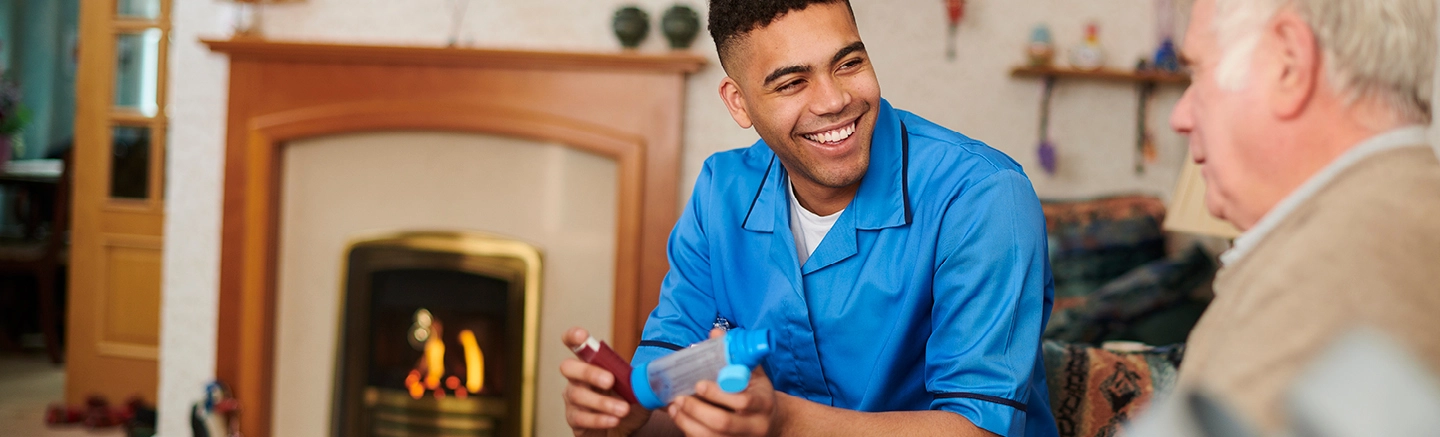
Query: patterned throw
(1094,391)
(1116,309)
(1097,240)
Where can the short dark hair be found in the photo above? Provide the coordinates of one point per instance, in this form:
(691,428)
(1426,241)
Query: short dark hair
(730,20)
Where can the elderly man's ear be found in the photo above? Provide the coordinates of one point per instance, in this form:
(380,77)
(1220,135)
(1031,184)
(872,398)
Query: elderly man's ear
(1297,58)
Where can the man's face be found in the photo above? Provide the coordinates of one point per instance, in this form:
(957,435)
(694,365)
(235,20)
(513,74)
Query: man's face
(1223,125)
(806,84)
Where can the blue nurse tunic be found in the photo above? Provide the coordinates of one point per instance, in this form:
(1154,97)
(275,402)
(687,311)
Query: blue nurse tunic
(930,291)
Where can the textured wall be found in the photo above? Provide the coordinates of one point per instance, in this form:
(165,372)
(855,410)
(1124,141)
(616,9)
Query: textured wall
(1093,123)
(192,224)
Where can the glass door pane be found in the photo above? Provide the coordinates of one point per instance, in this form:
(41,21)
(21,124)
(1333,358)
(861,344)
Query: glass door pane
(137,69)
(130,162)
(143,9)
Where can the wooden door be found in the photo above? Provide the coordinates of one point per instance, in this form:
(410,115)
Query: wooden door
(120,125)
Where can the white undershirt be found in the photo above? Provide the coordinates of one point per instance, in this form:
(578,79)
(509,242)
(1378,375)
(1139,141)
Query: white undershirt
(809,228)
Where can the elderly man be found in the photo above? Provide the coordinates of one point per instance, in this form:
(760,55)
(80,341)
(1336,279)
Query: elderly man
(1307,118)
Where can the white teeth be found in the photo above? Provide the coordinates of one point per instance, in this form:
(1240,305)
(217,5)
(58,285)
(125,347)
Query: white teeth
(833,136)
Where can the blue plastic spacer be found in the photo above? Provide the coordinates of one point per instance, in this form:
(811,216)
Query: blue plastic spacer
(640,384)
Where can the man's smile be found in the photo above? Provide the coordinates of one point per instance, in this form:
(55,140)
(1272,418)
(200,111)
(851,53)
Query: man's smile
(833,136)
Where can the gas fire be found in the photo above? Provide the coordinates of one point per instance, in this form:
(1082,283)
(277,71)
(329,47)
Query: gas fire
(429,372)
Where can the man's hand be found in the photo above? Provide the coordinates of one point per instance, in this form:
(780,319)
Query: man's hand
(591,408)
(713,412)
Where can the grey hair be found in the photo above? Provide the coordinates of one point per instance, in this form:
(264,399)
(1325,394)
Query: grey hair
(1374,50)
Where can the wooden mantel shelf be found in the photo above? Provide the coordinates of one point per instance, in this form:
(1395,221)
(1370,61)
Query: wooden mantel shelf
(681,62)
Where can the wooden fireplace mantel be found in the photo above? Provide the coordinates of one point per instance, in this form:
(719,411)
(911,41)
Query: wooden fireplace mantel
(624,106)
(674,62)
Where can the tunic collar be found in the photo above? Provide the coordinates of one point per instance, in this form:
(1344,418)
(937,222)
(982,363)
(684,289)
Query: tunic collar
(883,198)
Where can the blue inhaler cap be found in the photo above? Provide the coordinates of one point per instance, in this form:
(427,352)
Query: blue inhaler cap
(748,347)
(744,349)
(733,378)
(640,384)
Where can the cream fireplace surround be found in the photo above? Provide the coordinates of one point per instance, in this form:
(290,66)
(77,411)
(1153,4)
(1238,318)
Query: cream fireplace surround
(337,188)
(625,108)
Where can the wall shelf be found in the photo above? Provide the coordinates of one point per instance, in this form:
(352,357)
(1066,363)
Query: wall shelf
(1108,74)
(1145,84)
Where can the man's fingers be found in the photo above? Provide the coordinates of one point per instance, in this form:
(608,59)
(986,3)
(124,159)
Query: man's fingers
(582,419)
(739,402)
(717,333)
(688,424)
(717,420)
(574,337)
(586,373)
(583,397)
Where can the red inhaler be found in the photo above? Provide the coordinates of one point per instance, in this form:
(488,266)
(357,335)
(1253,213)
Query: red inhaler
(598,353)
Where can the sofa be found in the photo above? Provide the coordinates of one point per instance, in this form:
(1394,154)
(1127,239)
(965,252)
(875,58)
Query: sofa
(1125,301)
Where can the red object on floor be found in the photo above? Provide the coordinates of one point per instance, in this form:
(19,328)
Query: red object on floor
(59,414)
(97,413)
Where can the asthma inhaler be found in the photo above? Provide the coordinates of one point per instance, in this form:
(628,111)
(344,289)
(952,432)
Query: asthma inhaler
(726,360)
(598,353)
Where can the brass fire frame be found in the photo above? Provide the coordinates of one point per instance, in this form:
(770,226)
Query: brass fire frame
(472,252)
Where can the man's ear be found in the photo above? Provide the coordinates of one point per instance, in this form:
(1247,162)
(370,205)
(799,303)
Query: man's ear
(735,102)
(1299,64)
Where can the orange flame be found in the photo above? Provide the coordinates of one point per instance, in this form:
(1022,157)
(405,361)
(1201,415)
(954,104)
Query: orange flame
(474,362)
(412,382)
(435,362)
(430,371)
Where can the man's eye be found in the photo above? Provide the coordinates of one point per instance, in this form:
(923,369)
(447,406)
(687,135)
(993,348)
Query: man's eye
(787,86)
(851,64)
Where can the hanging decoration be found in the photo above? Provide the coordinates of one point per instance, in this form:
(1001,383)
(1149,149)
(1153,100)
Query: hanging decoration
(1145,152)
(954,12)
(1046,150)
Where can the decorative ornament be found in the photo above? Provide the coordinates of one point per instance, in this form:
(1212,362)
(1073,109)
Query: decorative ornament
(1046,150)
(1041,50)
(1089,56)
(1145,152)
(1165,57)
(631,25)
(680,24)
(954,12)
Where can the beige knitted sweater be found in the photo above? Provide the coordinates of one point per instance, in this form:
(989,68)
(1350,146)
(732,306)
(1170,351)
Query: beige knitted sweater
(1365,250)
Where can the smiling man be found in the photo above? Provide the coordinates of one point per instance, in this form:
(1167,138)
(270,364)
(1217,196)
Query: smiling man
(902,265)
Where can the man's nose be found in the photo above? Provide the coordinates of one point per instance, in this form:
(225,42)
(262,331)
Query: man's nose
(831,97)
(1182,119)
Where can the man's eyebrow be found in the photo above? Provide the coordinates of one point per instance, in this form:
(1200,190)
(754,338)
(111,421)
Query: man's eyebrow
(782,71)
(856,46)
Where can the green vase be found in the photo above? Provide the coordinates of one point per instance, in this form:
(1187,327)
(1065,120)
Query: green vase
(631,25)
(680,25)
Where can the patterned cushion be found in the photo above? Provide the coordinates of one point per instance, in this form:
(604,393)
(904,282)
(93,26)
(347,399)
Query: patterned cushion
(1093,391)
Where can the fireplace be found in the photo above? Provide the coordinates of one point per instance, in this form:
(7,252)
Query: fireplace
(438,336)
(273,345)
